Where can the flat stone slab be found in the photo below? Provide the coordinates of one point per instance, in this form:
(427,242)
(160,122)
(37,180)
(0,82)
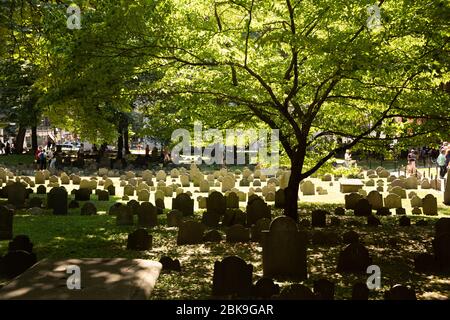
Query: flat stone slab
(350,185)
(101,279)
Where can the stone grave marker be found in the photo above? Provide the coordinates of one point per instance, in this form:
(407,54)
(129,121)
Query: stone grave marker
(88,209)
(232,277)
(256,210)
(363,208)
(354,258)
(139,240)
(6,223)
(184,203)
(237,233)
(57,200)
(147,216)
(429,205)
(190,232)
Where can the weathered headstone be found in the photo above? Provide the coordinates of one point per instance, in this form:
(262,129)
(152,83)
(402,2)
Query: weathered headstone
(16,194)
(124,216)
(88,209)
(237,233)
(429,205)
(6,223)
(284,250)
(57,200)
(354,259)
(392,201)
(232,277)
(174,218)
(183,203)
(139,240)
(147,216)
(351,200)
(190,232)
(319,218)
(375,199)
(363,208)
(256,210)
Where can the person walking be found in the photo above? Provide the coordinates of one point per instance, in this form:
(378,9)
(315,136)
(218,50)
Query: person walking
(412,162)
(2,147)
(43,160)
(7,148)
(442,163)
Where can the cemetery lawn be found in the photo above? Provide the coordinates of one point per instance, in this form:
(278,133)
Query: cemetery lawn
(74,236)
(16,159)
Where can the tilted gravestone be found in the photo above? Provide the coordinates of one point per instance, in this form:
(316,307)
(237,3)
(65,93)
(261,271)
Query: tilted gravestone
(190,232)
(257,209)
(232,277)
(103,195)
(147,215)
(284,250)
(216,203)
(183,203)
(354,259)
(6,223)
(57,200)
(238,233)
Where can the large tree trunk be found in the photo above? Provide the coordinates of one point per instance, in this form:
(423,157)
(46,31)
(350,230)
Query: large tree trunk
(291,192)
(18,146)
(120,144)
(125,137)
(34,142)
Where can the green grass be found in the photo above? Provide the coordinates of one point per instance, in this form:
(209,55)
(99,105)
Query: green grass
(75,236)
(16,159)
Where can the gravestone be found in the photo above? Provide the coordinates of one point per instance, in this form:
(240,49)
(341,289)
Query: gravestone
(351,200)
(429,205)
(416,201)
(373,221)
(57,200)
(296,292)
(39,177)
(375,199)
(319,218)
(73,204)
(324,289)
(256,210)
(308,188)
(363,208)
(128,190)
(20,243)
(399,292)
(83,194)
(88,209)
(447,190)
(41,189)
(124,216)
(404,221)
(103,195)
(216,203)
(6,223)
(35,203)
(174,218)
(232,200)
(354,259)
(284,250)
(143,195)
(16,194)
(111,190)
(392,201)
(416,211)
(411,182)
(212,236)
(211,219)
(237,233)
(400,211)
(232,277)
(360,291)
(398,191)
(160,206)
(15,263)
(134,206)
(265,288)
(169,264)
(190,232)
(234,216)
(184,203)
(147,216)
(350,237)
(339,211)
(350,185)
(260,225)
(139,240)
(227,183)
(280,198)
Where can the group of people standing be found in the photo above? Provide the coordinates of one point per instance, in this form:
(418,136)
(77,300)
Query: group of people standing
(5,148)
(45,156)
(442,160)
